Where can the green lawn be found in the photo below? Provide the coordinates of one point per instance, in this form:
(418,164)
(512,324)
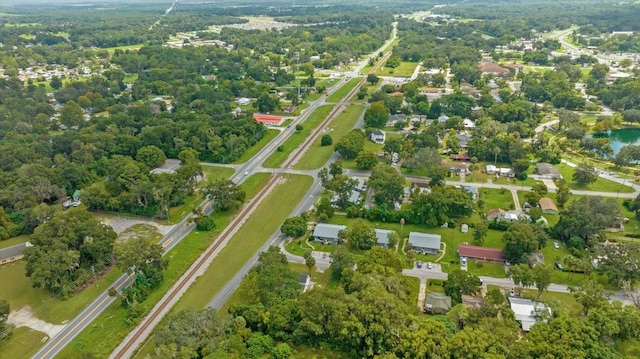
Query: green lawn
(255,183)
(340,94)
(370,90)
(214,173)
(13,241)
(251,151)
(265,220)
(496,198)
(368,146)
(111,50)
(479,268)
(296,139)
(23,344)
(601,184)
(564,302)
(317,156)
(405,69)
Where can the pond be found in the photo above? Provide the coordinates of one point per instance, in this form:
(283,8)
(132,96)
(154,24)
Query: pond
(620,138)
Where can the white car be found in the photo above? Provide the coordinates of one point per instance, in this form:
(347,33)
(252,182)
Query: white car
(246,173)
(556,245)
(429,265)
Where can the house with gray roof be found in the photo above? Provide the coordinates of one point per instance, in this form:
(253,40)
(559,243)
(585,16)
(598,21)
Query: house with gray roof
(327,233)
(528,312)
(382,236)
(437,303)
(425,242)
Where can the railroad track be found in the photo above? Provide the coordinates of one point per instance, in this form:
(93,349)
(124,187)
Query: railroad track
(149,321)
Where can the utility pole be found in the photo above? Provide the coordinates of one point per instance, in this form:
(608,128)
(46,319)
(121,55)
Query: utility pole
(298,71)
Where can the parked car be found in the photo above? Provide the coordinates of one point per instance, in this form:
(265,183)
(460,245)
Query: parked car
(419,264)
(512,293)
(429,265)
(556,245)
(559,265)
(463,261)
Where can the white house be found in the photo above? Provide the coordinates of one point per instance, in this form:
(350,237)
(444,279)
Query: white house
(443,118)
(491,169)
(468,124)
(528,312)
(378,137)
(243,101)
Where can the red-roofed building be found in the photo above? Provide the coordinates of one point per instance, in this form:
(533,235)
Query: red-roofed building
(481,253)
(268,120)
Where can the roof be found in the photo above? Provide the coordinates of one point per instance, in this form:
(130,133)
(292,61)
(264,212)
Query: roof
(493,68)
(325,230)
(425,240)
(498,211)
(12,251)
(303,278)
(526,310)
(471,301)
(360,182)
(437,300)
(492,168)
(514,66)
(547,169)
(378,133)
(383,236)
(266,118)
(547,203)
(486,253)
(460,157)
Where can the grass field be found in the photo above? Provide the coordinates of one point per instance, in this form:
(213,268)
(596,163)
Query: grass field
(600,184)
(340,94)
(405,69)
(23,344)
(316,156)
(253,234)
(251,151)
(295,140)
(111,50)
(496,198)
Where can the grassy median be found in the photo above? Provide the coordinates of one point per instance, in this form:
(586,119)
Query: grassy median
(296,139)
(317,155)
(342,92)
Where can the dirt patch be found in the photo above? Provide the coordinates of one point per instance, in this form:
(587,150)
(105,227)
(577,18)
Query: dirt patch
(24,318)
(128,227)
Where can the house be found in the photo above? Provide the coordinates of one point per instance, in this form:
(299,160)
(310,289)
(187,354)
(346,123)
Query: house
(378,137)
(382,236)
(464,139)
(360,184)
(243,101)
(455,167)
(548,206)
(465,158)
(493,69)
(473,191)
(305,282)
(443,118)
(468,124)
(437,303)
(268,120)
(471,301)
(425,242)
(547,171)
(481,253)
(528,312)
(506,172)
(327,233)
(501,215)
(517,68)
(491,169)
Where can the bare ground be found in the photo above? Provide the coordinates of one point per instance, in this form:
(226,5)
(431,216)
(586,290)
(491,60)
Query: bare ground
(24,318)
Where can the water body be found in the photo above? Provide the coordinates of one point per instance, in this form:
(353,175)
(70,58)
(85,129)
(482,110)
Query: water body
(620,138)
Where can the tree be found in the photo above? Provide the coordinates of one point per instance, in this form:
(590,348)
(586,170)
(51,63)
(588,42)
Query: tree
(299,127)
(361,235)
(71,114)
(376,115)
(351,144)
(151,156)
(294,226)
(522,276)
(585,174)
(388,185)
(541,278)
(590,294)
(480,230)
(224,195)
(366,160)
(326,140)
(189,332)
(56,82)
(520,241)
(585,218)
(5,329)
(461,282)
(621,263)
(137,255)
(266,103)
(341,259)
(562,194)
(309,260)
(372,79)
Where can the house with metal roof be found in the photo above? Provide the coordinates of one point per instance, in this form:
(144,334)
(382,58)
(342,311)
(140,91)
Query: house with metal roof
(437,303)
(547,171)
(528,312)
(327,233)
(425,242)
(382,237)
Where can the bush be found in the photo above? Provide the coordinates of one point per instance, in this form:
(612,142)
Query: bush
(280,149)
(499,225)
(326,140)
(205,223)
